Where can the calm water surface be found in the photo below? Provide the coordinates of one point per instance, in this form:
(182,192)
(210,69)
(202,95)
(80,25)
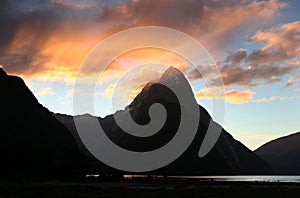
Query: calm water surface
(259,178)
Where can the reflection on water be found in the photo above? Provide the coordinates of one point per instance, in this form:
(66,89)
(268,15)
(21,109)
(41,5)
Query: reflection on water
(257,178)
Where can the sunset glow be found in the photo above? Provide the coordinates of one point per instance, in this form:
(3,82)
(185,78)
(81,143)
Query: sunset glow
(255,44)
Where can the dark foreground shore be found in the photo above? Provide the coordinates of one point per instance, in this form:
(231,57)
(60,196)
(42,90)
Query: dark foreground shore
(176,188)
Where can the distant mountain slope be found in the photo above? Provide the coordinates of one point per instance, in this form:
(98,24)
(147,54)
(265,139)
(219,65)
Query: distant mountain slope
(33,144)
(282,154)
(228,157)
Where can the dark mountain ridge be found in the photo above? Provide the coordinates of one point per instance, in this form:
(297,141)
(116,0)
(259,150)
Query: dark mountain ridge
(282,154)
(33,144)
(228,156)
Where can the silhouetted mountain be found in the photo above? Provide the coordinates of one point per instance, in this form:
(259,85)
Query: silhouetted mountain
(282,154)
(228,156)
(33,144)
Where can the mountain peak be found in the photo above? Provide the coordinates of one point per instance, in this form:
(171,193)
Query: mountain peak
(171,76)
(162,89)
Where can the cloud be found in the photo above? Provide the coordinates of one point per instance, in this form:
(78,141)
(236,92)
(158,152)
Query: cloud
(69,93)
(280,43)
(245,75)
(213,23)
(239,97)
(236,57)
(204,69)
(267,65)
(49,39)
(292,81)
(109,91)
(279,57)
(46,91)
(46,38)
(192,16)
(127,90)
(276,98)
(254,75)
(270,99)
(232,96)
(140,64)
(131,85)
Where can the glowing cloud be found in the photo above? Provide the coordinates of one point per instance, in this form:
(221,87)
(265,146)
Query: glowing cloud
(231,96)
(46,91)
(49,39)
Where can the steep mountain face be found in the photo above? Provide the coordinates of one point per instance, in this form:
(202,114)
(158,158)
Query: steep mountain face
(282,154)
(33,144)
(228,156)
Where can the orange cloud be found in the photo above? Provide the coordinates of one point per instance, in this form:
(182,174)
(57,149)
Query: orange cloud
(231,96)
(50,40)
(144,57)
(239,97)
(133,81)
(109,91)
(60,60)
(152,55)
(46,91)
(56,56)
(281,43)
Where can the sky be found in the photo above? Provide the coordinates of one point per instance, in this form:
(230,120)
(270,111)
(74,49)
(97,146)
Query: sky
(255,45)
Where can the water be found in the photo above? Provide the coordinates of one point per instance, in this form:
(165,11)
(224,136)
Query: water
(259,178)
(241,178)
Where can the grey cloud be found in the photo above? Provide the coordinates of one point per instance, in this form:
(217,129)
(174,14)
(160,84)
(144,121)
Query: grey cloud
(266,55)
(236,57)
(174,13)
(214,23)
(246,75)
(277,58)
(196,74)
(253,75)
